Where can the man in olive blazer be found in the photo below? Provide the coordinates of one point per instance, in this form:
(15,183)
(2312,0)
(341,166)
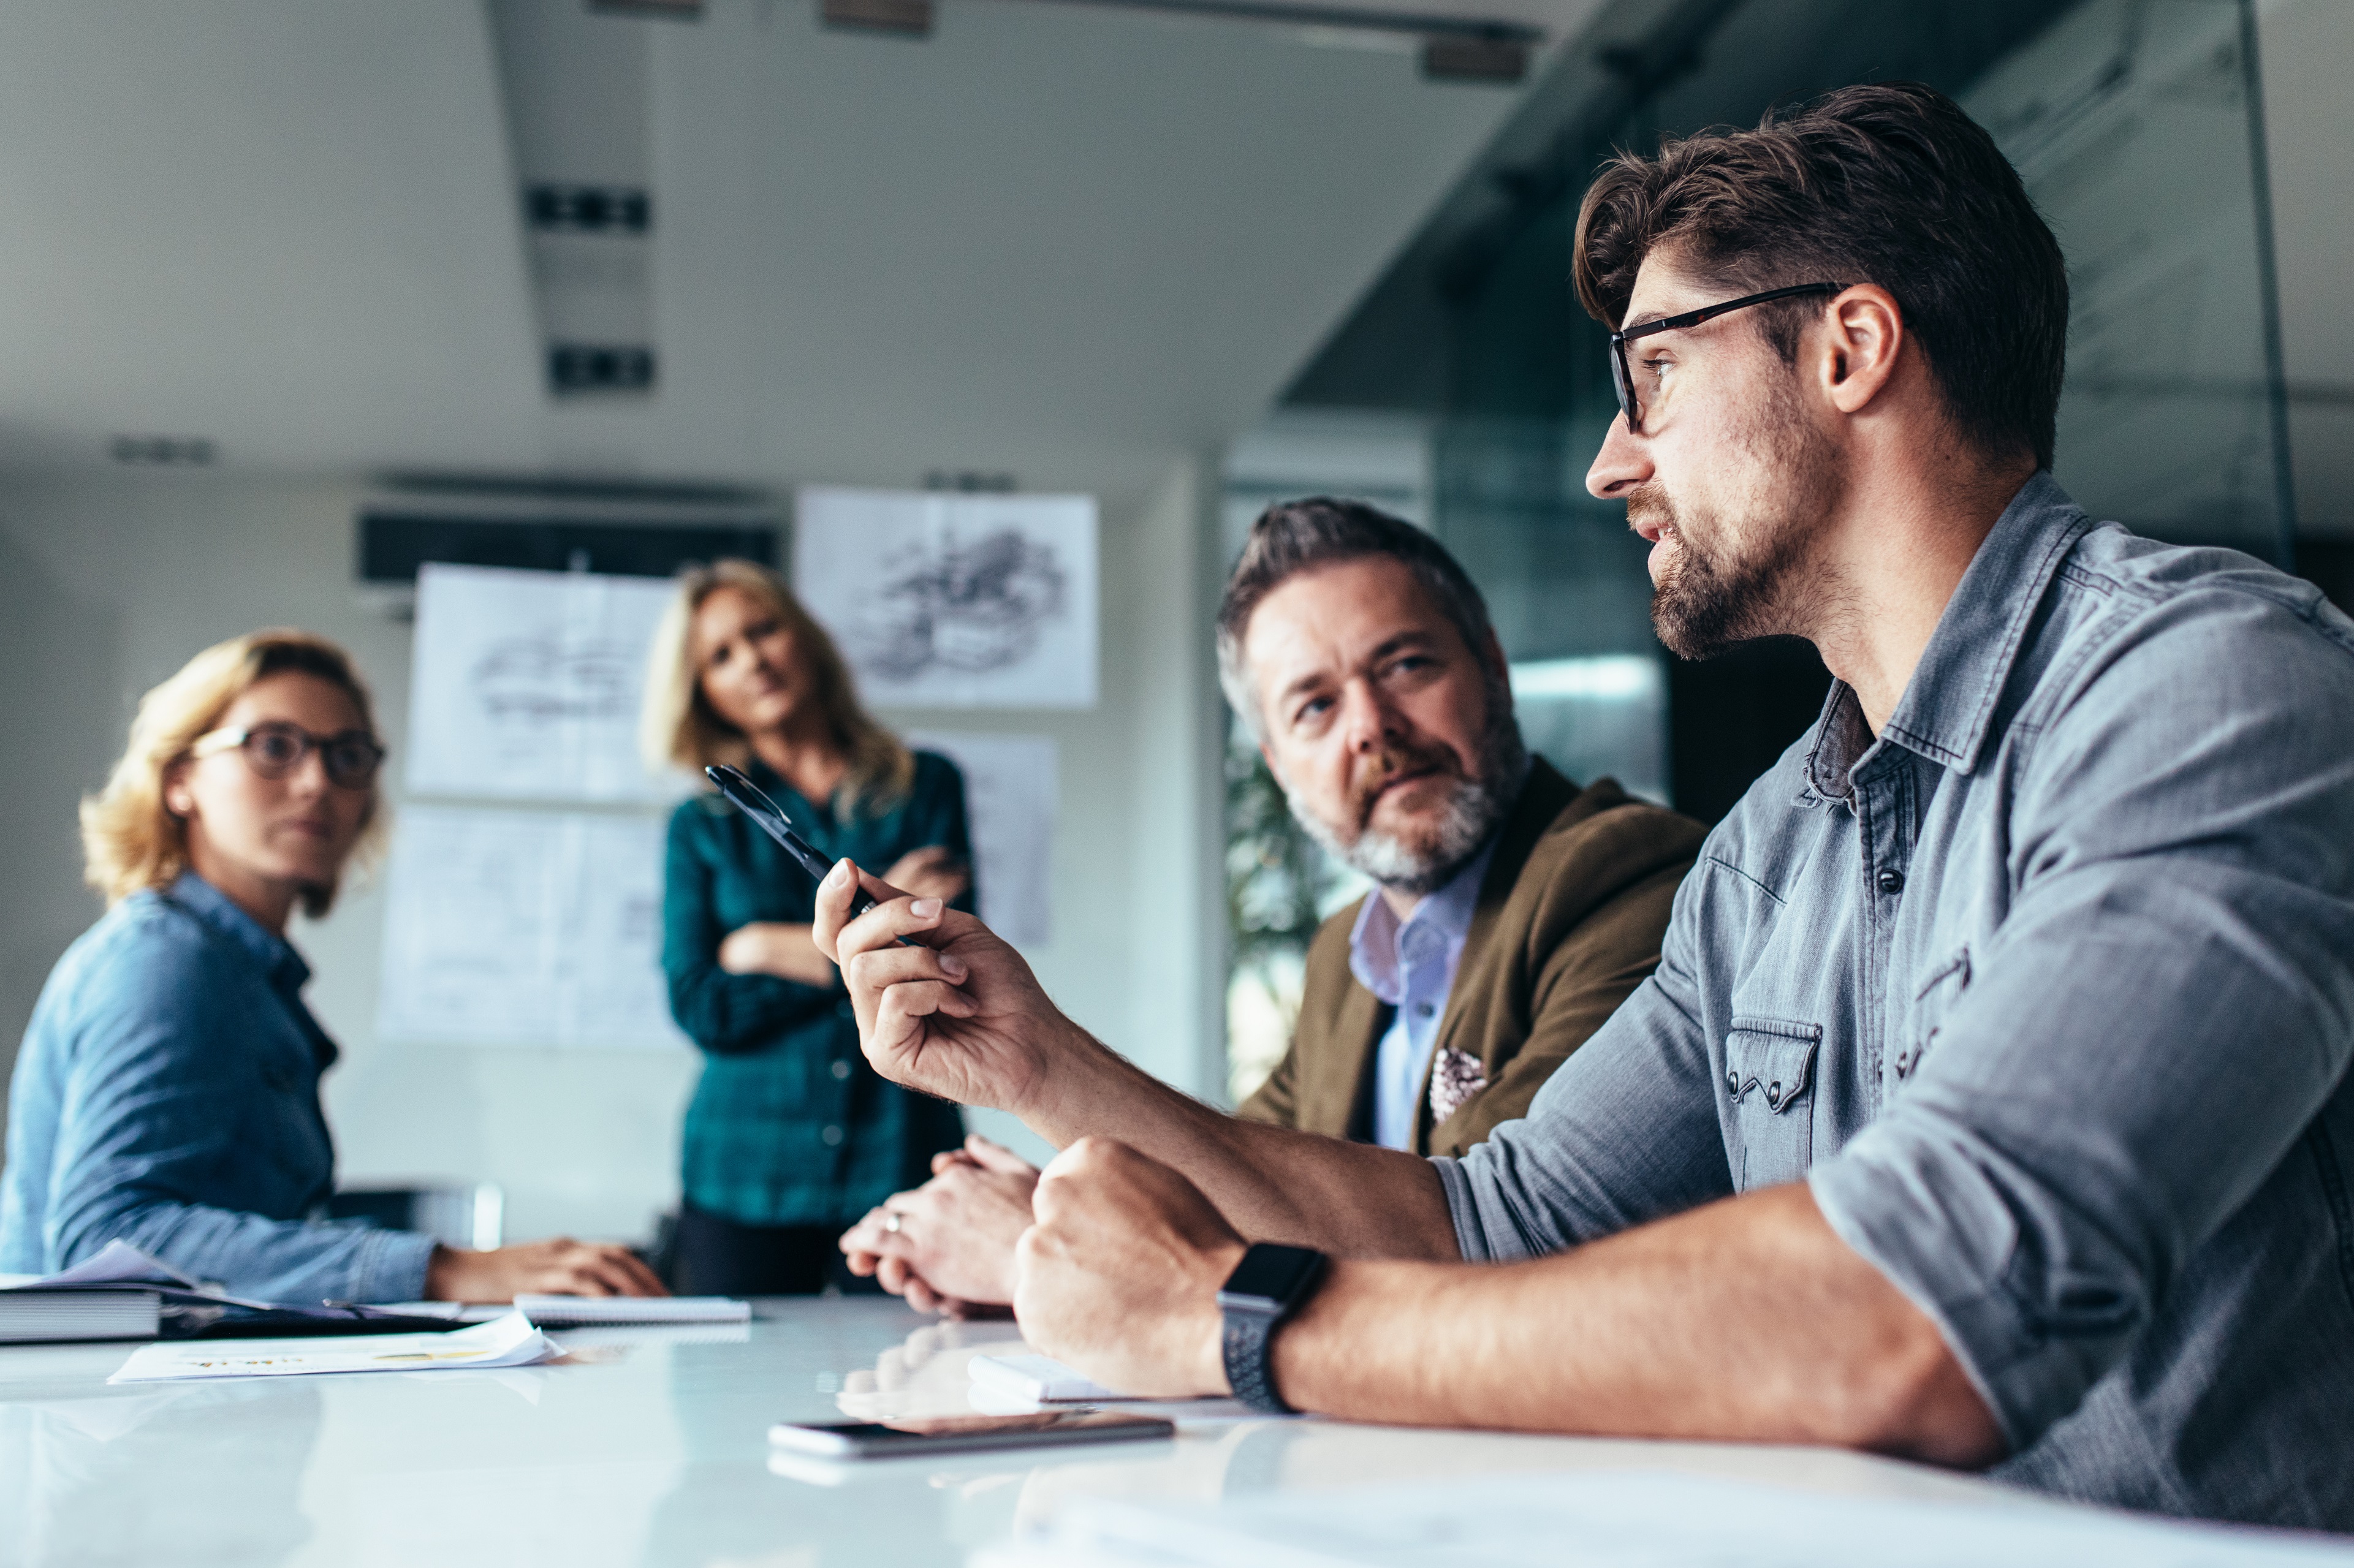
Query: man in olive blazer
(1567,925)
(1512,910)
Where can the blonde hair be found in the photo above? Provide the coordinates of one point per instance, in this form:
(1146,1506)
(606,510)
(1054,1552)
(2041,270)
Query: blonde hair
(679,728)
(130,839)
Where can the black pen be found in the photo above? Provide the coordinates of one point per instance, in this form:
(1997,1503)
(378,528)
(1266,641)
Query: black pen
(749,798)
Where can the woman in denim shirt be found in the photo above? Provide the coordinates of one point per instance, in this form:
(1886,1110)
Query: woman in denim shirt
(790,1136)
(168,1092)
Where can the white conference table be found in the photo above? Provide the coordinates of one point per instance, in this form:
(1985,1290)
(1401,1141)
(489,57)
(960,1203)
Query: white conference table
(645,1448)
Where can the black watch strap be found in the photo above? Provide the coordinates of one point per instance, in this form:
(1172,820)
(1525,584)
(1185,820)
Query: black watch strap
(1251,1319)
(1248,1338)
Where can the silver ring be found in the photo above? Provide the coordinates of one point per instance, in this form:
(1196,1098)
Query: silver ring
(891,1223)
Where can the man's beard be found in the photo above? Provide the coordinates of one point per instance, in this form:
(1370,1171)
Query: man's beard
(1474,808)
(1713,598)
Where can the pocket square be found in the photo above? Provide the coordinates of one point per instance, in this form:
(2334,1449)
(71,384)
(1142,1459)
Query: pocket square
(1455,1077)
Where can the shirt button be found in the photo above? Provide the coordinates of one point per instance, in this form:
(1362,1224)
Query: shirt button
(832,1135)
(1423,1010)
(1892,881)
(842,1069)
(1733,1084)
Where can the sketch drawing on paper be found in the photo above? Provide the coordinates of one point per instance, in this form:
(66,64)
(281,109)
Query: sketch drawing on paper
(955,601)
(539,680)
(971,606)
(526,684)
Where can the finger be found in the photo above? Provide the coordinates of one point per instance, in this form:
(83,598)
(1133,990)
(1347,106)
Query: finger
(601,1277)
(893,1274)
(900,1018)
(835,894)
(832,912)
(870,1225)
(870,974)
(893,1244)
(922,1296)
(624,1271)
(861,1264)
(950,1157)
(879,930)
(642,1276)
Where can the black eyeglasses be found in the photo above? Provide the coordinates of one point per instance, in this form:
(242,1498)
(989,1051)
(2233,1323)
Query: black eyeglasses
(1622,375)
(276,750)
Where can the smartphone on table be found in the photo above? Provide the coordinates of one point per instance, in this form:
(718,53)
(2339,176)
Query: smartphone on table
(965,1434)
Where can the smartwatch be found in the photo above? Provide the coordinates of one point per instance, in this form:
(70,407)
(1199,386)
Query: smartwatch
(1266,1286)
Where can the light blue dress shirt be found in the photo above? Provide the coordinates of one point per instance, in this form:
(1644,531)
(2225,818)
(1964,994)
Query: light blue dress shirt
(2047,993)
(167,1095)
(1410,965)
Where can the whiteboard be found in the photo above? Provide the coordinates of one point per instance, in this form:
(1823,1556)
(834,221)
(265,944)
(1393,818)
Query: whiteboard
(1010,794)
(951,600)
(526,685)
(522,927)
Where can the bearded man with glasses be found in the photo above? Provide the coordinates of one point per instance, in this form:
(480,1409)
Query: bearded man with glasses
(1990,1103)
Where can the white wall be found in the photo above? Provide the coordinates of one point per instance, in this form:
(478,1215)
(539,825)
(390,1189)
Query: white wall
(108,583)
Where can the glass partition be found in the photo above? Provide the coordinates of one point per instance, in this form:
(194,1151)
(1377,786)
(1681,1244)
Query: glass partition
(2137,127)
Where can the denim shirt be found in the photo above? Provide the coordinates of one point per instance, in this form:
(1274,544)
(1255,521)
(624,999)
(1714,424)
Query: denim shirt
(167,1095)
(2047,991)
(1410,965)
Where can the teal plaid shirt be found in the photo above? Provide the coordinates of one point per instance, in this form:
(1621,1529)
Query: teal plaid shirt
(788,1126)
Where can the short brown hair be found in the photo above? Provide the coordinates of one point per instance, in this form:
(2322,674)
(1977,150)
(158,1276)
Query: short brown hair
(679,728)
(1295,536)
(1890,184)
(130,838)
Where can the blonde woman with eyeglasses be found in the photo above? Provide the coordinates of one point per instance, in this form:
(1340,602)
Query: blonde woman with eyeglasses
(168,1091)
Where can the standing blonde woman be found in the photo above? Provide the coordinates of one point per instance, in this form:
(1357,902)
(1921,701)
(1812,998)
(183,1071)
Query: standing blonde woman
(790,1136)
(168,1092)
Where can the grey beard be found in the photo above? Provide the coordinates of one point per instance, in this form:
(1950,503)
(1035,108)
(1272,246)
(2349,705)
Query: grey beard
(1474,811)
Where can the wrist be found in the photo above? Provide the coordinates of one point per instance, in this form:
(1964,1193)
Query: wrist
(1264,1291)
(1072,1072)
(1209,1340)
(444,1274)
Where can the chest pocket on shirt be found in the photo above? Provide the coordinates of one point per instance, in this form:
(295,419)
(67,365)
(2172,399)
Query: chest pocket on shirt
(1769,1078)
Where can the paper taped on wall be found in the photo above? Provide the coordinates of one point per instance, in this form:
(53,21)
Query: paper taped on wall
(526,685)
(943,599)
(513,927)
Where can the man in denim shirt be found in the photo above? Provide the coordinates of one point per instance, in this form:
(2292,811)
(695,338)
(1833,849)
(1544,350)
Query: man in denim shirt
(1991,1102)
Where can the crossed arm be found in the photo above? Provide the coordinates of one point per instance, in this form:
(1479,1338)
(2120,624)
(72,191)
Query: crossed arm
(1744,1318)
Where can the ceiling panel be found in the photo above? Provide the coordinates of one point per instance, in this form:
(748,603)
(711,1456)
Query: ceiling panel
(1062,242)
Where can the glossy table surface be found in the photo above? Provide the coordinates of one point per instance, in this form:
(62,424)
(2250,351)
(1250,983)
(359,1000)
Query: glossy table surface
(651,1446)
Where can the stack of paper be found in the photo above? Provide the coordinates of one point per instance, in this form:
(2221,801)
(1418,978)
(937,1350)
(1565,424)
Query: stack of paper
(509,1342)
(29,1316)
(117,1294)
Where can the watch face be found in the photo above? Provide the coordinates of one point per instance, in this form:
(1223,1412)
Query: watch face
(1272,1274)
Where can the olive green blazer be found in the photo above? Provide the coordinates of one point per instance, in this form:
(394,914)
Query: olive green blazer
(1568,924)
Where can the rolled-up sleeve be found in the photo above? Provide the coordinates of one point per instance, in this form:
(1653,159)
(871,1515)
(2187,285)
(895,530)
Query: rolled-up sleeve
(1625,1132)
(2160,1016)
